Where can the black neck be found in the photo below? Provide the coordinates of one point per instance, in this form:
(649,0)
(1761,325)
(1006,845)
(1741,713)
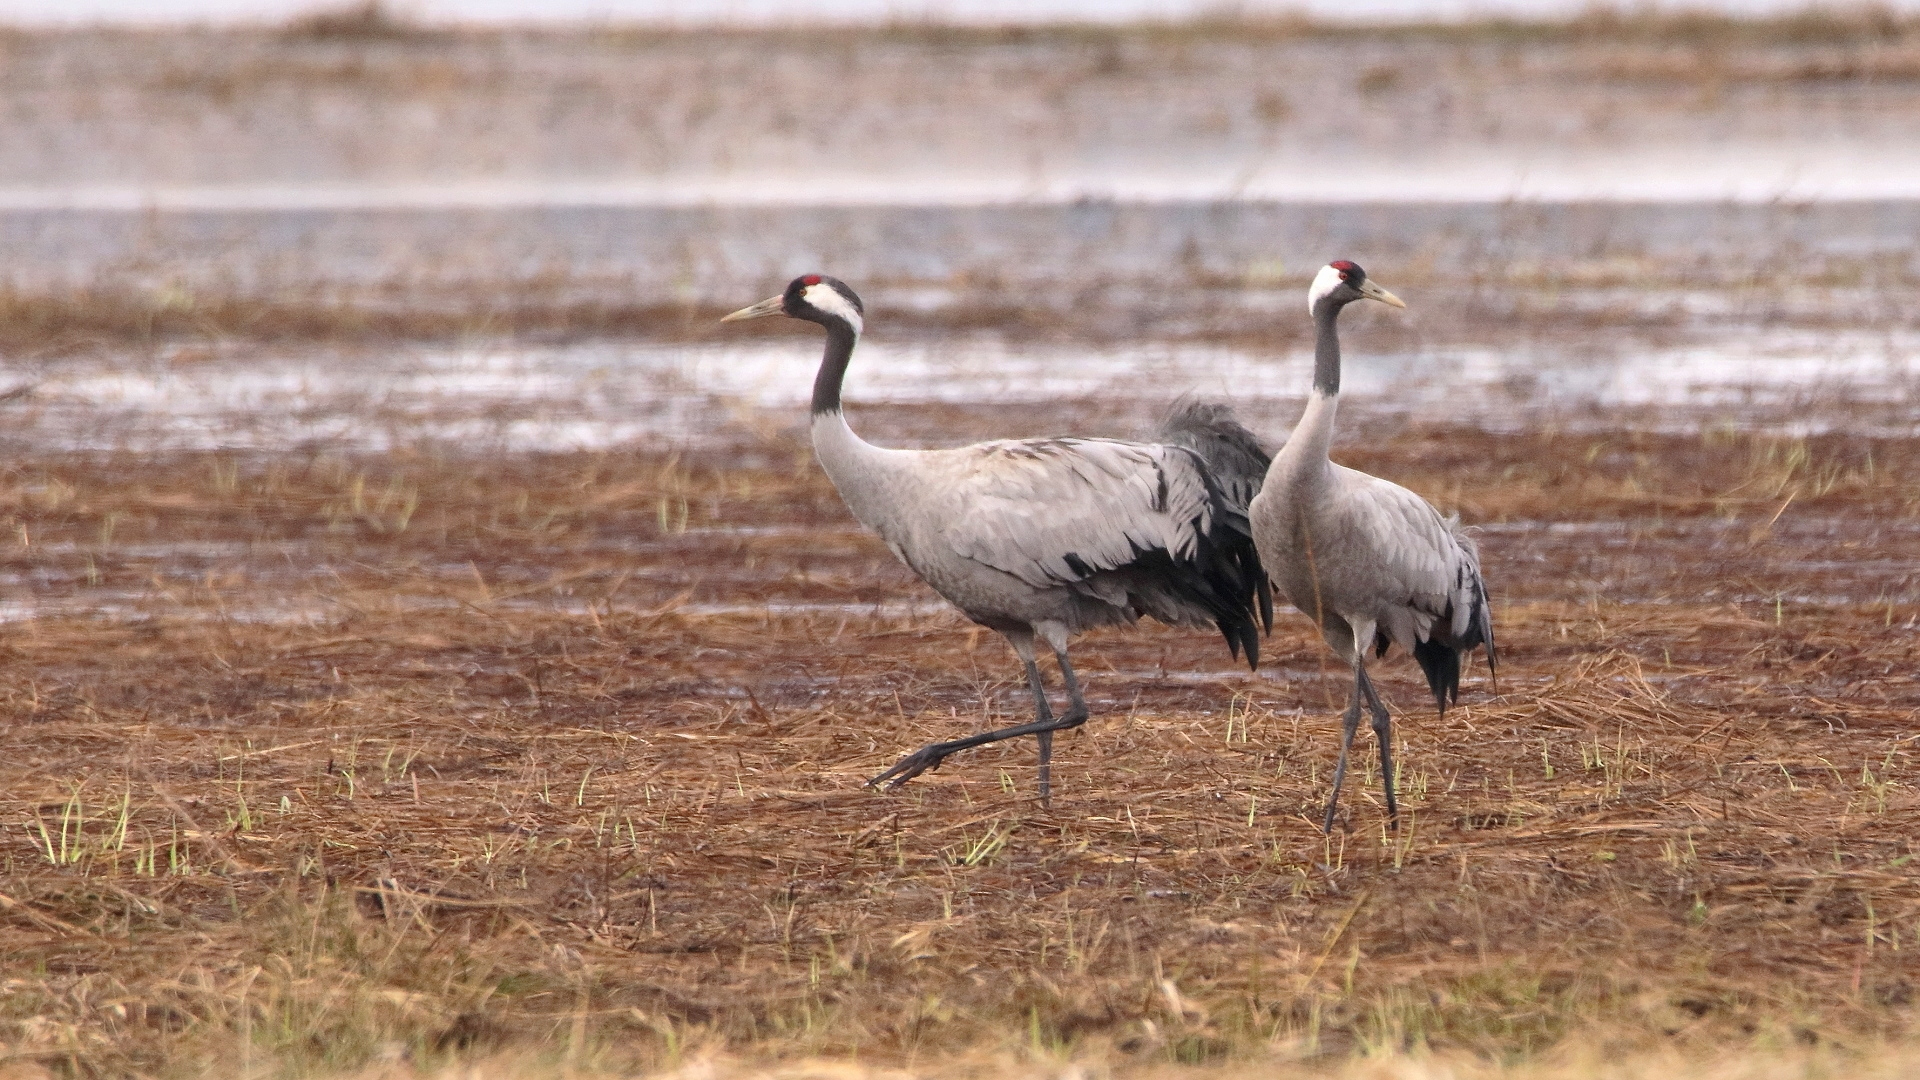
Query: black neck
(833,367)
(1326,350)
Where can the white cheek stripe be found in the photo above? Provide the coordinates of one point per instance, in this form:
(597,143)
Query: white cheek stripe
(1327,280)
(828,299)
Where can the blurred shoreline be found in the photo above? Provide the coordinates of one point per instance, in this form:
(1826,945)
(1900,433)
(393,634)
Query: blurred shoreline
(1092,270)
(331,112)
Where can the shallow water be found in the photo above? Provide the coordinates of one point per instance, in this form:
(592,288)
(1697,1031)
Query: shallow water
(514,398)
(1735,341)
(1623,348)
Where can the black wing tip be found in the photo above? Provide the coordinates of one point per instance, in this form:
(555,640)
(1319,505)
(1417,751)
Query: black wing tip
(1219,593)
(1441,663)
(1243,639)
(1440,660)
(1222,576)
(1243,601)
(1217,582)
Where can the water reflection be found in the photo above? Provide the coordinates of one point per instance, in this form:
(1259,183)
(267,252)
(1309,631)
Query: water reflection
(511,399)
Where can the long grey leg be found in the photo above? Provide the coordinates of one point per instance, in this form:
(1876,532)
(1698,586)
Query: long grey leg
(1349,724)
(1042,713)
(1383,734)
(1075,716)
(1044,725)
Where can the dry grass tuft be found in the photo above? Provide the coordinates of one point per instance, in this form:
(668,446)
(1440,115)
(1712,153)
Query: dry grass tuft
(49,323)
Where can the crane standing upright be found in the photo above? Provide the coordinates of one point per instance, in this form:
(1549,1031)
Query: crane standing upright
(1043,538)
(1369,561)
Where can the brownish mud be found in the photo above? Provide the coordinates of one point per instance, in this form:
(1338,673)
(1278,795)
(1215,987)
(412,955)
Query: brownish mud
(316,759)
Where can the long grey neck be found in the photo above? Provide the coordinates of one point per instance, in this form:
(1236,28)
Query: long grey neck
(1326,349)
(833,367)
(1302,462)
(874,480)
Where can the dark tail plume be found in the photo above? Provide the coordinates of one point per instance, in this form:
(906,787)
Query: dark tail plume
(1440,654)
(1441,661)
(1233,455)
(1235,465)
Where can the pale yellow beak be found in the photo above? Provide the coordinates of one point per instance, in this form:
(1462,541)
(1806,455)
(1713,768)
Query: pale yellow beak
(770,306)
(1374,292)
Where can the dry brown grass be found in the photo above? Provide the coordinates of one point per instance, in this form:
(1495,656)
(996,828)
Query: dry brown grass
(51,322)
(1555,308)
(519,787)
(1584,1063)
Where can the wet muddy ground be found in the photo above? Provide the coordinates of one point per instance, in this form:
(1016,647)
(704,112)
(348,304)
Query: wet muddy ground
(416,751)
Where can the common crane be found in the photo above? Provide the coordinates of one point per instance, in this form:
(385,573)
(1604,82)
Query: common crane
(1369,561)
(1043,538)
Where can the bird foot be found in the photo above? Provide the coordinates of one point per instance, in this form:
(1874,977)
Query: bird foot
(921,760)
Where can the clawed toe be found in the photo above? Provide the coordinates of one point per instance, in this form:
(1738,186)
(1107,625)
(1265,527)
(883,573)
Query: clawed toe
(907,768)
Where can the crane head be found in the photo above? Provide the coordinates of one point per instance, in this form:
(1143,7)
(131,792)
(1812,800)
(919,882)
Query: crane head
(1343,282)
(813,297)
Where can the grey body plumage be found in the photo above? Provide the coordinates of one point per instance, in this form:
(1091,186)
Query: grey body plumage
(1043,538)
(1370,562)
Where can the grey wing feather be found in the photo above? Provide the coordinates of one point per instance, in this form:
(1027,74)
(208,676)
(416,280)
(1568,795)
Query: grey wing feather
(1054,511)
(1476,625)
(1411,541)
(1141,526)
(1436,607)
(1423,557)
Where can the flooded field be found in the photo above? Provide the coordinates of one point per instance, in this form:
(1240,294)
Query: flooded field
(430,643)
(511,397)
(1096,268)
(381,417)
